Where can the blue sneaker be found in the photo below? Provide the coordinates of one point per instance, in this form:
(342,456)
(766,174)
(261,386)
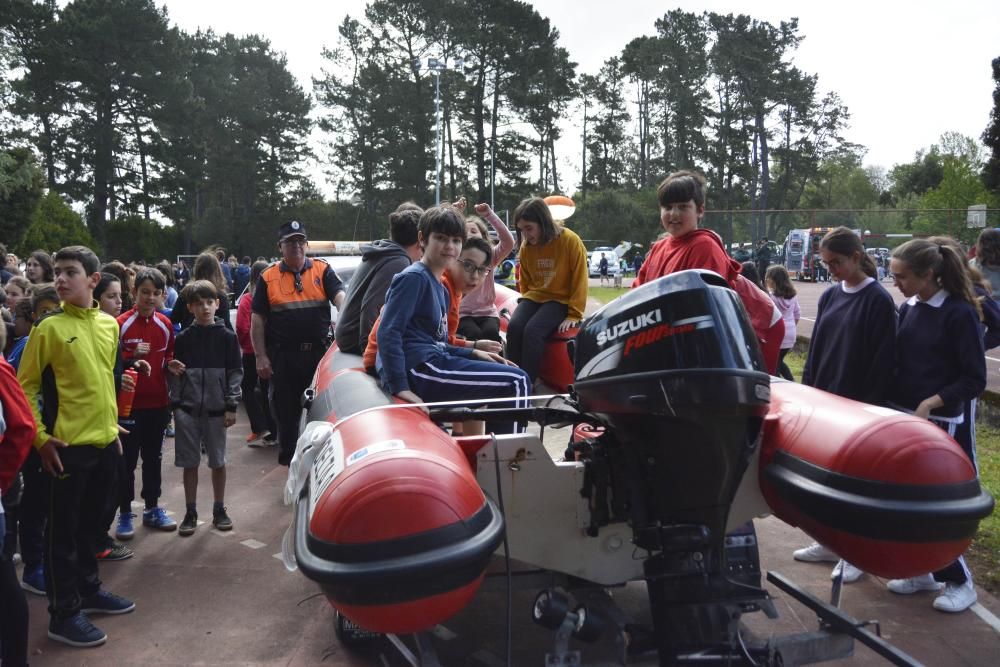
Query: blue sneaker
(33,580)
(125,531)
(77,630)
(157,518)
(103,602)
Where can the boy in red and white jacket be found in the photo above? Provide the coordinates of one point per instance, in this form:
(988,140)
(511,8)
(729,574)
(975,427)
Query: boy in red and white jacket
(146,334)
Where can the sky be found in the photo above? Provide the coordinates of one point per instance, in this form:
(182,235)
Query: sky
(908,71)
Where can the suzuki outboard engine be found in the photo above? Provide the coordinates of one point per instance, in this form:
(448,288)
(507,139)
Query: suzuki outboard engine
(674,368)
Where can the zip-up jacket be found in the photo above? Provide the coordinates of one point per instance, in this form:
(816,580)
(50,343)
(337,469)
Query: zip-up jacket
(213,372)
(17,427)
(68,368)
(150,392)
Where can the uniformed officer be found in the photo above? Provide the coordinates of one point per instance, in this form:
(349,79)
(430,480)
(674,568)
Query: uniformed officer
(290,328)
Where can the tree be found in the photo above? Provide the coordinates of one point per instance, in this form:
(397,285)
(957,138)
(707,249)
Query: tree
(917,177)
(680,93)
(41,98)
(55,225)
(607,145)
(610,216)
(233,149)
(131,237)
(21,187)
(960,186)
(120,61)
(991,136)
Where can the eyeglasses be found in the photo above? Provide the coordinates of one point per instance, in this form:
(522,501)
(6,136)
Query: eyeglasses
(472,269)
(298,242)
(298,282)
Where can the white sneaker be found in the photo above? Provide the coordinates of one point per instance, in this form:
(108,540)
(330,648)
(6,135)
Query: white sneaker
(923,582)
(956,597)
(851,573)
(815,553)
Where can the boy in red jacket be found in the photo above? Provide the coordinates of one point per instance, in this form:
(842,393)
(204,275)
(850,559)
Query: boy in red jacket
(146,334)
(17,432)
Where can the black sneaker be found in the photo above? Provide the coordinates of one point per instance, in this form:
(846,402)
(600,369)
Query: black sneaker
(189,524)
(103,602)
(77,630)
(117,551)
(221,520)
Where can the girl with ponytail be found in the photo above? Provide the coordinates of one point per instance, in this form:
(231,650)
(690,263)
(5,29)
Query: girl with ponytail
(940,371)
(852,351)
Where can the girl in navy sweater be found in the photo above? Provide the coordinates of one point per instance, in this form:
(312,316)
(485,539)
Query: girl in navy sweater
(852,351)
(415,361)
(940,371)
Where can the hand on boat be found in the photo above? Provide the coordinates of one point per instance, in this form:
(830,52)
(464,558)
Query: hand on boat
(410,397)
(567,324)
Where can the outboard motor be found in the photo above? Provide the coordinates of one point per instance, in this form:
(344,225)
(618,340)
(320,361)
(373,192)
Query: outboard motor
(673,367)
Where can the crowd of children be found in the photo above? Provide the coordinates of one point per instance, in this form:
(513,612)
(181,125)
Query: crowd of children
(430,331)
(71,348)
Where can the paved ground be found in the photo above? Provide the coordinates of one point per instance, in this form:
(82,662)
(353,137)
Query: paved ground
(225,598)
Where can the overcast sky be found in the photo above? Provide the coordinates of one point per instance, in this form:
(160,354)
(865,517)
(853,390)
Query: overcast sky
(907,70)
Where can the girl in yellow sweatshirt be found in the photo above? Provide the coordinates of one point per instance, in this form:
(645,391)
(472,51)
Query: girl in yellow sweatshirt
(552,282)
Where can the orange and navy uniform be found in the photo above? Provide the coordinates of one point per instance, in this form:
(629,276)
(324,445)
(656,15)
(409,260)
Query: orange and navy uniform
(297,305)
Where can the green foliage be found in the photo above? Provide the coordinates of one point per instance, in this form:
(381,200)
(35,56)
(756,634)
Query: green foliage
(960,159)
(986,548)
(21,186)
(55,225)
(133,237)
(991,136)
(608,217)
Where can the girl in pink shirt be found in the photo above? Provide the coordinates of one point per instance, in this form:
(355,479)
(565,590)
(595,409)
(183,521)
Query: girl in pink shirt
(478,314)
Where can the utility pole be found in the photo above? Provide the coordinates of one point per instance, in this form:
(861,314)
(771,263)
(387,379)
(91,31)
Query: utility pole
(583,167)
(436,66)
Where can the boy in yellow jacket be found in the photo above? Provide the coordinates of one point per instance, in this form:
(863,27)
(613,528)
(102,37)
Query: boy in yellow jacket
(68,368)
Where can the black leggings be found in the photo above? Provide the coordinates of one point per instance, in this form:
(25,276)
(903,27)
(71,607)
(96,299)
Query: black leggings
(783,369)
(530,325)
(476,328)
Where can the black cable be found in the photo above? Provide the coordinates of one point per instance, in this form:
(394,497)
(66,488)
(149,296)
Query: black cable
(506,548)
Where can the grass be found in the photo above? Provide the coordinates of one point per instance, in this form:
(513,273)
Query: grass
(606,294)
(984,554)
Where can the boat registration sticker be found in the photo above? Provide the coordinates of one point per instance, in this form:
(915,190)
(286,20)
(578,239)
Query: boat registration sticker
(376,448)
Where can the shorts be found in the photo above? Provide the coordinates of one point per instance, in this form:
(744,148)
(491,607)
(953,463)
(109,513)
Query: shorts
(193,431)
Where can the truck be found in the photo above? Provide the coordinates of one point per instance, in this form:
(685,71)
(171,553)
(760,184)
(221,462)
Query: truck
(802,253)
(801,248)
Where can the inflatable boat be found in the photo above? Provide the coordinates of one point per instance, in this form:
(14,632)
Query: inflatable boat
(682,438)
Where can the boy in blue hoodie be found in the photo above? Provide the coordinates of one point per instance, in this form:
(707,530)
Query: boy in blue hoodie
(415,362)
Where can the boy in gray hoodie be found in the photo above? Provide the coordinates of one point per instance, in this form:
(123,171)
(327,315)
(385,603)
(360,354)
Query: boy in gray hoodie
(370,282)
(204,391)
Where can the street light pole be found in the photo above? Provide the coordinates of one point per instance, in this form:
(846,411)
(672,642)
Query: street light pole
(437,141)
(436,66)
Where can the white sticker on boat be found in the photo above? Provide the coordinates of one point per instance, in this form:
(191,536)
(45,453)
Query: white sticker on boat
(328,464)
(377,448)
